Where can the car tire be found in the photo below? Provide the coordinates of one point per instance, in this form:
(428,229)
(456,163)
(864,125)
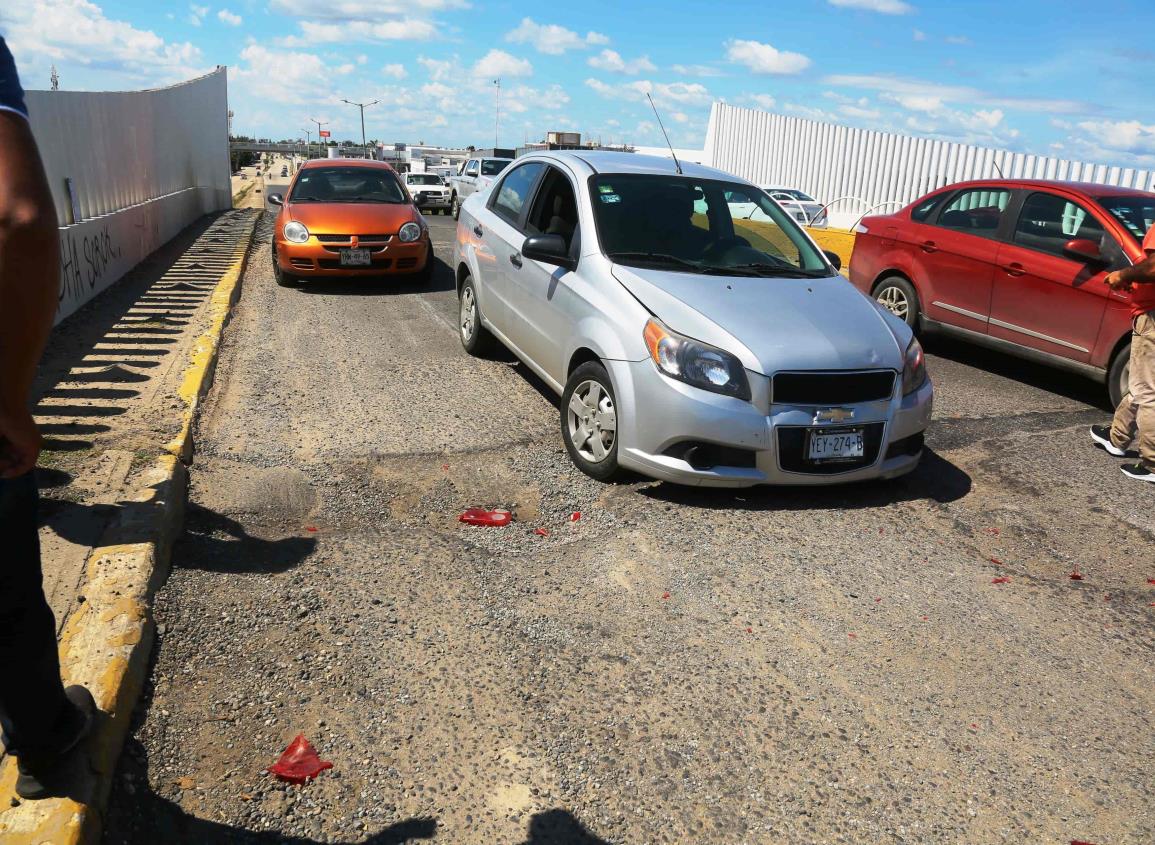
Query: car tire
(456,205)
(587,404)
(1117,375)
(898,296)
(283,279)
(475,337)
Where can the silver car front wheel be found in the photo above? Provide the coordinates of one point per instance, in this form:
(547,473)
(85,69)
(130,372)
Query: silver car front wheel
(589,421)
(475,337)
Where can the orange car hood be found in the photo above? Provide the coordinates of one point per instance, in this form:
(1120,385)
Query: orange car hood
(348,218)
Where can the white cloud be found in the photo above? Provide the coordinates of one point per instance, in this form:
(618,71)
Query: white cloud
(551,38)
(883,7)
(696,70)
(498,63)
(229,18)
(394,71)
(915,102)
(196,15)
(679,117)
(438,69)
(762,58)
(1128,136)
(919,35)
(403,29)
(672,93)
(360,10)
(283,76)
(763,101)
(77,32)
(893,87)
(611,61)
(522,99)
(957,39)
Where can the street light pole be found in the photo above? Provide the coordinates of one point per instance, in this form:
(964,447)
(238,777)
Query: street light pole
(309,142)
(497,117)
(362,106)
(319,125)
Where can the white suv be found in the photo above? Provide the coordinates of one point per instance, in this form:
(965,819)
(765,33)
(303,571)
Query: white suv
(428,191)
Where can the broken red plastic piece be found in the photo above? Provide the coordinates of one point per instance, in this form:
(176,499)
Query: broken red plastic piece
(996,561)
(445,467)
(312,529)
(665,595)
(1081,842)
(575,516)
(974,726)
(299,762)
(877,600)
(749,630)
(994,532)
(853,636)
(1151,580)
(1002,579)
(541,532)
(481,516)
(926,619)
(1076,575)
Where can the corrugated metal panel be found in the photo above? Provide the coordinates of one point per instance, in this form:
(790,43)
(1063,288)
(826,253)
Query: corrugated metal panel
(830,161)
(124,148)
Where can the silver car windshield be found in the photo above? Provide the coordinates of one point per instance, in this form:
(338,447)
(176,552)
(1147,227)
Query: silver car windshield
(699,226)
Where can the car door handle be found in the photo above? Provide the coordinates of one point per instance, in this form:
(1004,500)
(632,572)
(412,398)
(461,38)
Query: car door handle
(929,246)
(477,231)
(515,260)
(1014,269)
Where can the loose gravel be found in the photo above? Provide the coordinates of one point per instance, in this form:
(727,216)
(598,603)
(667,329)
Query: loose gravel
(676,666)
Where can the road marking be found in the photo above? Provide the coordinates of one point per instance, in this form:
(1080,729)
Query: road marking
(441,317)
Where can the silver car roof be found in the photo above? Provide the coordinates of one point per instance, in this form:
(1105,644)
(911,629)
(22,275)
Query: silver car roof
(604,161)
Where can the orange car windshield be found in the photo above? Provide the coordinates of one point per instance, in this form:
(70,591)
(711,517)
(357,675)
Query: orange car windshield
(347,184)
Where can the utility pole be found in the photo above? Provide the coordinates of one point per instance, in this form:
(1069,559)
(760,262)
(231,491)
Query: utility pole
(319,125)
(309,142)
(362,106)
(55,79)
(497,117)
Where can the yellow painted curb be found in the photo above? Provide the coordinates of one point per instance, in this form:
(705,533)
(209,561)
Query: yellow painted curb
(106,642)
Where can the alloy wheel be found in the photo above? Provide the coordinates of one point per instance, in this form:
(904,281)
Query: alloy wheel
(592,421)
(468,314)
(894,300)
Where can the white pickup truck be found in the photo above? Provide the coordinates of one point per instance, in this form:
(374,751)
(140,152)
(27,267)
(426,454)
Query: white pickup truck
(475,174)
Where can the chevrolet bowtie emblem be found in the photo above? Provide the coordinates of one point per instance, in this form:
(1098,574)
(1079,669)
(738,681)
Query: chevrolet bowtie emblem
(835,415)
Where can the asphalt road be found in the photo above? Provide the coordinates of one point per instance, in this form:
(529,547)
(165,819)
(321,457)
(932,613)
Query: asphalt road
(678,666)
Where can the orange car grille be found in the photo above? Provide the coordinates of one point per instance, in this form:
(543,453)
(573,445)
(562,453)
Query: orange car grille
(344,239)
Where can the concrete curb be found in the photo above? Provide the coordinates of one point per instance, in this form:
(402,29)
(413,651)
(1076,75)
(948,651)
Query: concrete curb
(106,643)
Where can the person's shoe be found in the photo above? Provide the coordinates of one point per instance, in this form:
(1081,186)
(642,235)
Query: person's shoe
(1101,434)
(1138,472)
(37,778)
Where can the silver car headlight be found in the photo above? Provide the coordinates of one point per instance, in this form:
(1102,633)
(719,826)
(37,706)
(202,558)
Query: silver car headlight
(409,233)
(696,363)
(914,368)
(296,232)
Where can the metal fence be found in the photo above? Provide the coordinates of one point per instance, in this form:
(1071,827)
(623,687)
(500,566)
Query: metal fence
(107,151)
(861,169)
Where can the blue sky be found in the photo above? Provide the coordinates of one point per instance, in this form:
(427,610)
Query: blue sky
(1042,77)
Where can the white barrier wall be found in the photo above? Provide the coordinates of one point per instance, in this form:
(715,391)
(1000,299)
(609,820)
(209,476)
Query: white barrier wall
(142,166)
(830,161)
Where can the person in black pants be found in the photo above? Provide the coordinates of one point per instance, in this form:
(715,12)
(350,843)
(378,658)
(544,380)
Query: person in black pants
(42,721)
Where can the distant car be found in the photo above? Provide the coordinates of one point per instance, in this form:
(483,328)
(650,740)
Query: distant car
(429,191)
(348,218)
(685,344)
(799,205)
(476,174)
(1015,265)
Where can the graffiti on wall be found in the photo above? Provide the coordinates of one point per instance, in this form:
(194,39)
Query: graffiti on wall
(84,263)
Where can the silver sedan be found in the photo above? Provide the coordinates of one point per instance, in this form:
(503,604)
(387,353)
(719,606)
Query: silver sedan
(688,342)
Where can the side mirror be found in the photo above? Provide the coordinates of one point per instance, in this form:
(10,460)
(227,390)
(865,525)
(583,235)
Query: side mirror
(833,258)
(1085,249)
(548,249)
(276,199)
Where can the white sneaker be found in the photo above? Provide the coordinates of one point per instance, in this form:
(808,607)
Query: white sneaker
(1101,434)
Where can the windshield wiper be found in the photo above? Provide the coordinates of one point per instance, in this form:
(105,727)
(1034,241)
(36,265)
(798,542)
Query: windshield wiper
(658,257)
(784,270)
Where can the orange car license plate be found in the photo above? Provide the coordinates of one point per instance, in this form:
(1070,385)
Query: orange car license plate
(355,258)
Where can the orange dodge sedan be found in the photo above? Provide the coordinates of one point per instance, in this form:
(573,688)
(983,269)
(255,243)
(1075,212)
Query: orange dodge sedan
(345,218)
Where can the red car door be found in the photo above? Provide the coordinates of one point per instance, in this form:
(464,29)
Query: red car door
(954,257)
(1046,298)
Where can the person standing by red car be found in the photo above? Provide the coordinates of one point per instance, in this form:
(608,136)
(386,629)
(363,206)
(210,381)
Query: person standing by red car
(1135,416)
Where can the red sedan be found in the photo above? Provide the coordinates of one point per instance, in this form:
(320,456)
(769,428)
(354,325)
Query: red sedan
(1016,265)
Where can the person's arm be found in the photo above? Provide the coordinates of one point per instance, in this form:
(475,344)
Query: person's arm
(29,287)
(1142,273)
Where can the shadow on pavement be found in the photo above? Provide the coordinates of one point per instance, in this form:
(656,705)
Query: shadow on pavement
(381,285)
(935,479)
(141,817)
(202,546)
(558,827)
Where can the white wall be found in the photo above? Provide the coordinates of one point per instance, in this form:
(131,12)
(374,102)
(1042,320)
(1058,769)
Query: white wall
(830,161)
(143,165)
(692,156)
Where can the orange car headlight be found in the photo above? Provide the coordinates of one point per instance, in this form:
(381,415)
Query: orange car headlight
(409,233)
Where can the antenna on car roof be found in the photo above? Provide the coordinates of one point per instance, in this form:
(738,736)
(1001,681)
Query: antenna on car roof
(677,164)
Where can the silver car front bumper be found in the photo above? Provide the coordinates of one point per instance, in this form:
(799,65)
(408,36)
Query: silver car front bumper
(657,413)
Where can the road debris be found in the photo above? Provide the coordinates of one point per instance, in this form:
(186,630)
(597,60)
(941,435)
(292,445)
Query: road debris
(299,762)
(490,518)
